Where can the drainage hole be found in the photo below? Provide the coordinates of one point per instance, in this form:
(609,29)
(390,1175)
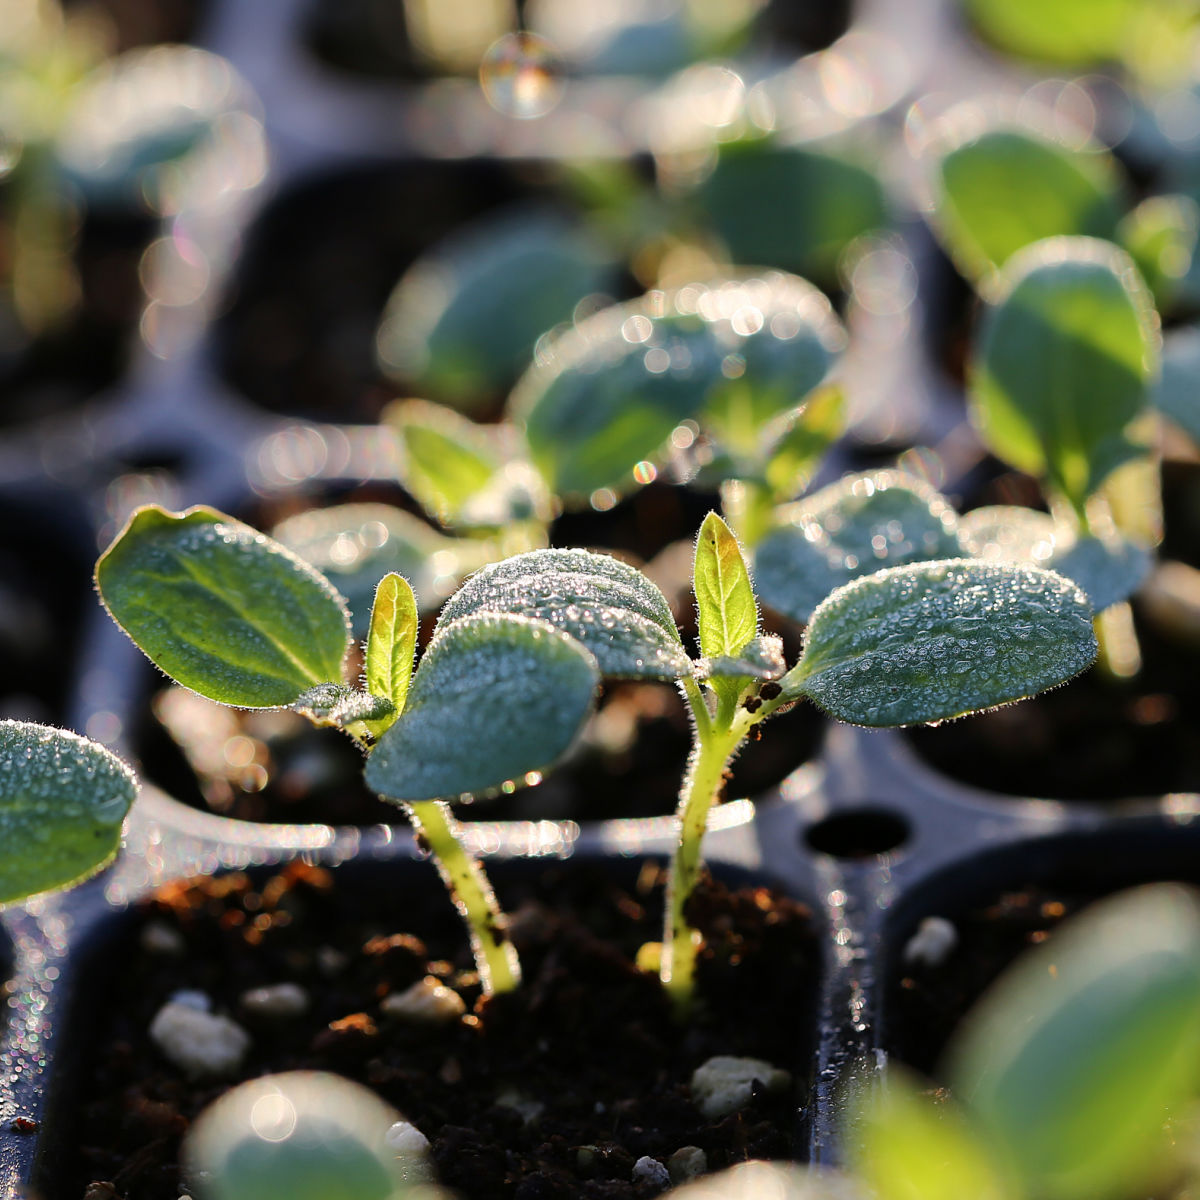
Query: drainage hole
(858,833)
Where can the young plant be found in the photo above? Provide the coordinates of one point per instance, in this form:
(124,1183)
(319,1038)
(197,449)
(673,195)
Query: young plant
(62,801)
(510,674)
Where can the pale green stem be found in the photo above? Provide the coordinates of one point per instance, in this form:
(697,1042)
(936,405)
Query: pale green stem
(717,738)
(495,958)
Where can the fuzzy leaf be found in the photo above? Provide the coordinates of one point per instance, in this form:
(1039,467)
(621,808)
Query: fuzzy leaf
(1011,533)
(1008,187)
(853,527)
(1062,365)
(609,606)
(223,609)
(496,696)
(355,545)
(1108,570)
(930,641)
(392,643)
(761,659)
(341,705)
(607,394)
(727,609)
(1077,1056)
(62,801)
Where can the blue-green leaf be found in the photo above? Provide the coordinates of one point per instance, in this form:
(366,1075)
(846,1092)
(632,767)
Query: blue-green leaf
(609,606)
(223,609)
(1177,393)
(1080,1053)
(930,641)
(1063,362)
(496,697)
(853,527)
(62,801)
(607,394)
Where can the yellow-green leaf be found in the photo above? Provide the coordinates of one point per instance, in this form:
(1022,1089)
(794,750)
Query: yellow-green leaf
(391,644)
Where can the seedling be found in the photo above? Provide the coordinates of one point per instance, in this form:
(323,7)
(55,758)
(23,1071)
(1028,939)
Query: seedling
(511,671)
(62,801)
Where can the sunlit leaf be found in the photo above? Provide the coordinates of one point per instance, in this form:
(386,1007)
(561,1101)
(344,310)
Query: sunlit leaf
(62,801)
(1003,187)
(1076,1057)
(340,705)
(607,394)
(495,697)
(760,659)
(223,609)
(1062,364)
(853,527)
(930,641)
(391,643)
(797,440)
(607,605)
(462,322)
(907,1146)
(1160,236)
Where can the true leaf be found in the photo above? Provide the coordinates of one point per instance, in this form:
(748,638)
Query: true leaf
(1080,1052)
(1108,569)
(907,1146)
(1011,533)
(607,605)
(1160,236)
(853,527)
(392,643)
(930,641)
(1063,362)
(725,603)
(62,801)
(341,705)
(496,696)
(796,441)
(223,609)
(760,659)
(1007,187)
(1072,32)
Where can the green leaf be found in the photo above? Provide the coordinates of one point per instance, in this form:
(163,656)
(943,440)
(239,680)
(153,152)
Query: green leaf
(1071,32)
(340,705)
(760,659)
(607,605)
(1160,236)
(462,322)
(607,394)
(725,603)
(930,641)
(1004,188)
(62,801)
(1078,1055)
(222,609)
(496,697)
(1108,569)
(853,527)
(1063,362)
(796,441)
(1177,393)
(356,544)
(907,1146)
(392,643)
(792,207)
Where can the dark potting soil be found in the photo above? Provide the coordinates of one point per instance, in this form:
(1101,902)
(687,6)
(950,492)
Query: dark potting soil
(588,1040)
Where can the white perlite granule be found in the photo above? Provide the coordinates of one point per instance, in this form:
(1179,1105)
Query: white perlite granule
(651,1169)
(275,1000)
(198,1042)
(932,944)
(725,1083)
(427,1002)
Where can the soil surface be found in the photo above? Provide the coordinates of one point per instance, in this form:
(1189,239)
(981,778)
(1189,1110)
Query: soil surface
(587,1048)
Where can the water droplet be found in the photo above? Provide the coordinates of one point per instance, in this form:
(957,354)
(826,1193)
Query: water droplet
(521,75)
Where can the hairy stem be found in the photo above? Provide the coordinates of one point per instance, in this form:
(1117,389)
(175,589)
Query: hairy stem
(495,958)
(717,739)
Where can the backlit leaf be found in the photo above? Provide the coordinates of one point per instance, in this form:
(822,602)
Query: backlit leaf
(797,440)
(392,642)
(1071,32)
(609,606)
(223,609)
(1005,187)
(62,801)
(1078,1055)
(726,607)
(1062,364)
(853,527)
(930,641)
(496,697)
